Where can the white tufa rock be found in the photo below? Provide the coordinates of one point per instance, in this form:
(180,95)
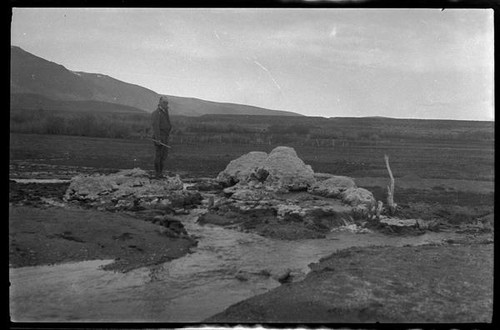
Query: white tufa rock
(287,172)
(240,169)
(282,170)
(120,185)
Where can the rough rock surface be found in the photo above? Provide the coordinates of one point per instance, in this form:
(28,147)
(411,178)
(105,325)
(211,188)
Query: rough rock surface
(278,195)
(130,190)
(291,216)
(287,172)
(282,170)
(332,187)
(248,193)
(323,176)
(203,184)
(358,197)
(241,169)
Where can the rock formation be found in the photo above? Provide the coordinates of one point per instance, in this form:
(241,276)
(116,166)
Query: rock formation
(286,171)
(357,197)
(280,171)
(130,190)
(242,168)
(279,189)
(275,194)
(332,187)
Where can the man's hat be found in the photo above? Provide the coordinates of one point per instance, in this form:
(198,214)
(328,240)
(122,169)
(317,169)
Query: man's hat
(163,100)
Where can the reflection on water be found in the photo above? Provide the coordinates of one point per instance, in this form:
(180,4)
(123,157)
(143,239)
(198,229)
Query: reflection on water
(188,289)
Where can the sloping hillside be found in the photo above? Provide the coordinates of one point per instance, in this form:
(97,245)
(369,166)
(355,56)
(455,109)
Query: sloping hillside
(199,107)
(32,75)
(36,102)
(109,89)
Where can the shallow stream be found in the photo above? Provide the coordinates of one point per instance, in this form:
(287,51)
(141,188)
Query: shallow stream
(227,266)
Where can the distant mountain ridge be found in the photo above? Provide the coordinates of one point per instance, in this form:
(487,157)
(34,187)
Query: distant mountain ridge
(40,81)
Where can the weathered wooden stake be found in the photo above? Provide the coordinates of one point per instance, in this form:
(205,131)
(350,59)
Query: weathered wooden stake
(390,189)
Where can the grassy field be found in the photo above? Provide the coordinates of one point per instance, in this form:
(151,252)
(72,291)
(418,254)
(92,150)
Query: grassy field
(432,181)
(426,160)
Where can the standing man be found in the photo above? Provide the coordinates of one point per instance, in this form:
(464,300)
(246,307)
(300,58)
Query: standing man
(160,120)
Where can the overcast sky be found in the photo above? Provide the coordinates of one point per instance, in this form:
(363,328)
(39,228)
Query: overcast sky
(417,63)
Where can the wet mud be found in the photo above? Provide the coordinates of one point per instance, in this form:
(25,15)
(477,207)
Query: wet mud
(52,235)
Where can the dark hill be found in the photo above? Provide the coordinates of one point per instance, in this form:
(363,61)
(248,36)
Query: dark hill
(31,74)
(37,102)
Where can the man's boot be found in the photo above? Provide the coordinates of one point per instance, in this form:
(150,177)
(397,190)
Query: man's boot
(157,171)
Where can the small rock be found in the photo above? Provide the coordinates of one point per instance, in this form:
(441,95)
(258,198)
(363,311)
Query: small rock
(265,272)
(283,276)
(358,196)
(181,211)
(242,276)
(205,184)
(168,232)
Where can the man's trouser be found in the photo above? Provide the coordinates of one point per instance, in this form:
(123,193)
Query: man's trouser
(161,154)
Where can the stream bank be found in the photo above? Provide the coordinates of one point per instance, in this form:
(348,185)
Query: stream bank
(444,283)
(227,266)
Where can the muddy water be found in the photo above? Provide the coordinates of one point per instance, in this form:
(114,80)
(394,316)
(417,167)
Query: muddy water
(226,267)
